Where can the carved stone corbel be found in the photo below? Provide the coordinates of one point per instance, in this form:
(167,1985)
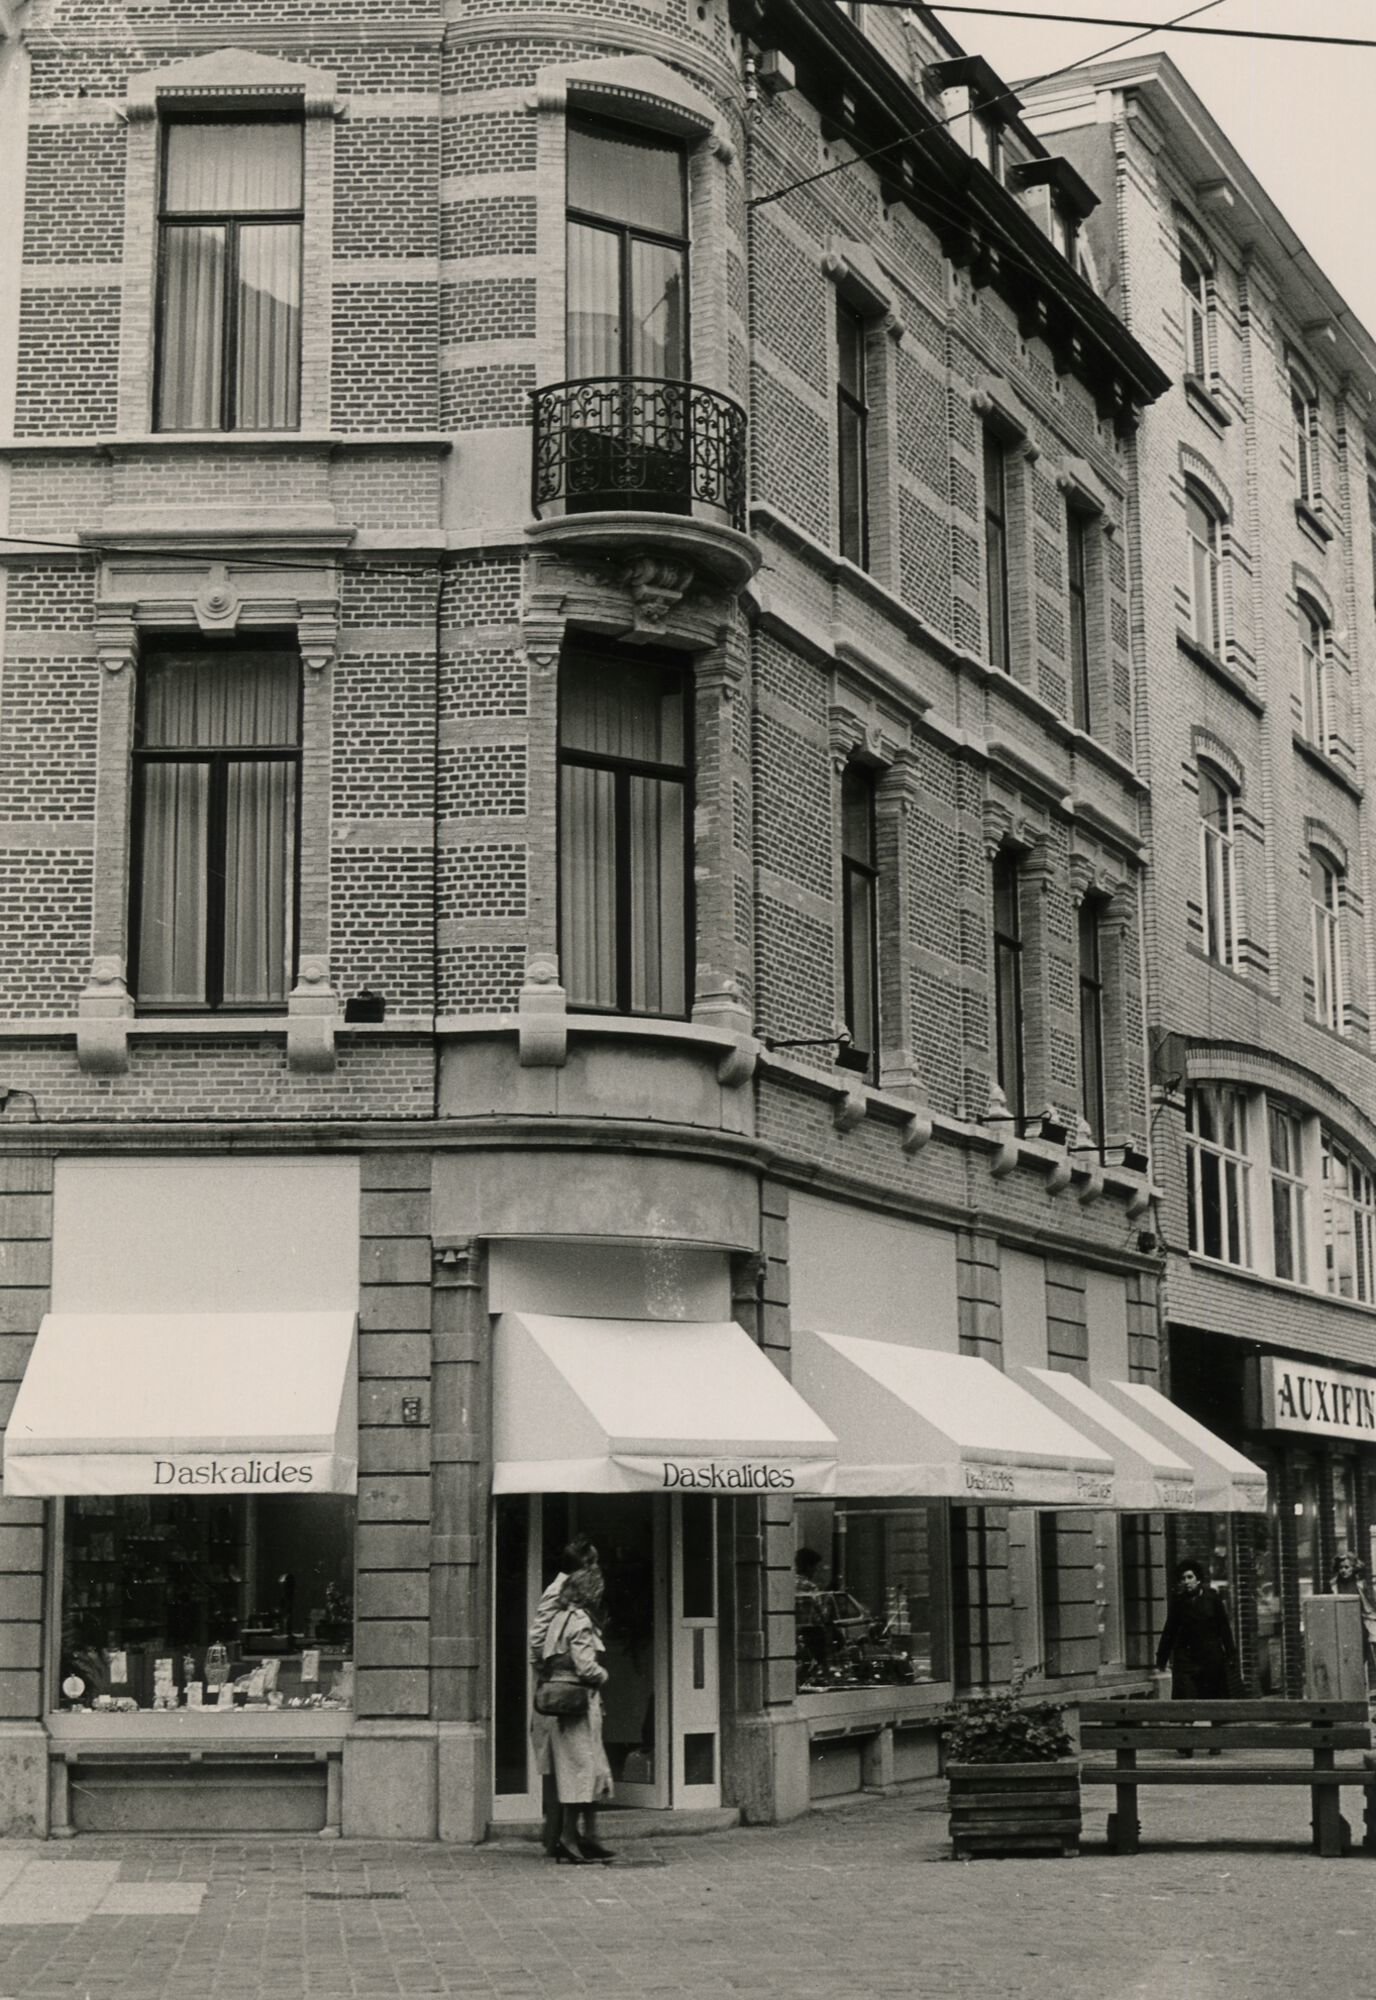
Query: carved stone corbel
(104,1012)
(542,1016)
(312,1011)
(849,1108)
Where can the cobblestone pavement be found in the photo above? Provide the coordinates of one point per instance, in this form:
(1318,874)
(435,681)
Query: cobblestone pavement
(856,1903)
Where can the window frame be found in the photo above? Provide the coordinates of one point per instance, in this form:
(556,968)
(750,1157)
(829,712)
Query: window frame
(1208,626)
(232,222)
(1197,315)
(623,771)
(1316,691)
(1091,990)
(1078,528)
(1304,432)
(861,871)
(217,759)
(628,234)
(1009,947)
(997,567)
(1218,869)
(1326,939)
(1289,1189)
(1233,1170)
(853,412)
(1359,1200)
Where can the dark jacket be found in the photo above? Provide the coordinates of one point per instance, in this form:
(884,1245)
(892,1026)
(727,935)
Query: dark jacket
(1197,1641)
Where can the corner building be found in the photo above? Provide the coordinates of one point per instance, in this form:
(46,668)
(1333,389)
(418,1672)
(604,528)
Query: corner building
(572,861)
(1254,645)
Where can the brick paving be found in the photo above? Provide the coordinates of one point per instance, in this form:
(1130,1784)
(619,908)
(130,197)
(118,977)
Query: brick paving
(854,1904)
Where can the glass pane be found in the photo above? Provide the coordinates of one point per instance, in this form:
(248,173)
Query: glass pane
(657,889)
(232,168)
(1283,1227)
(1306,1510)
(659,311)
(618,708)
(172,884)
(267,383)
(699,1556)
(850,352)
(850,442)
(862,1013)
(996,559)
(594,302)
(510,1715)
(260,819)
(627,176)
(191,329)
(869,1593)
(180,1603)
(587,886)
(857,815)
(234,699)
(1210,1230)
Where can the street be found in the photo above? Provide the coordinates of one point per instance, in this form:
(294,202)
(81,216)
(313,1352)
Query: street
(1225,1903)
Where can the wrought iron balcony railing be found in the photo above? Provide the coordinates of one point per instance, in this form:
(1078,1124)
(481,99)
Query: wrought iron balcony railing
(635,441)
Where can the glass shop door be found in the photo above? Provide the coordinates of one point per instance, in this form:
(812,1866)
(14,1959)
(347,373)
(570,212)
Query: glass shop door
(693,1623)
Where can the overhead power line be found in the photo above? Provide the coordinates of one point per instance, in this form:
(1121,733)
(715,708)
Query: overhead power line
(1148,27)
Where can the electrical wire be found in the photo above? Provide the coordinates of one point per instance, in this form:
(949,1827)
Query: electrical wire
(1163,28)
(985,104)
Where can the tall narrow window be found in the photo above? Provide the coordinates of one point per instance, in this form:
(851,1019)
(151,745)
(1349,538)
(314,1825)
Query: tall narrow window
(1325,915)
(989,139)
(1008,1035)
(624,839)
(1288,1195)
(1194,289)
(216,770)
(229,290)
(1204,534)
(859,911)
(1077,574)
(1314,671)
(1219,1173)
(852,434)
(996,551)
(1349,1224)
(1091,1021)
(627,253)
(1216,858)
(1304,414)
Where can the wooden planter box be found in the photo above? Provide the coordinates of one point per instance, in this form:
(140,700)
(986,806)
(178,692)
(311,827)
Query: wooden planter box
(1015,1808)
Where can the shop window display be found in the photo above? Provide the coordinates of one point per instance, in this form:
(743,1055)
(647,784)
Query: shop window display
(242,1604)
(870,1594)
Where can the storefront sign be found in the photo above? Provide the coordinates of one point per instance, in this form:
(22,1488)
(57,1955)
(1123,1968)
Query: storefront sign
(726,1475)
(1295,1396)
(199,1473)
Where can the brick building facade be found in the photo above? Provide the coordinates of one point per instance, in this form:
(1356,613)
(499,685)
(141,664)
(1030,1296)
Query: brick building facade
(1253,641)
(439,812)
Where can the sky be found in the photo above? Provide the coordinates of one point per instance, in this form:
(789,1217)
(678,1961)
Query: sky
(1302,118)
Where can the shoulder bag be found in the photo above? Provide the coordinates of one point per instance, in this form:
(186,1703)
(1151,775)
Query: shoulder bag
(558,1690)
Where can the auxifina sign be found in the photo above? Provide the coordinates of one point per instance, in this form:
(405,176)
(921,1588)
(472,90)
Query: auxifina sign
(1327,1402)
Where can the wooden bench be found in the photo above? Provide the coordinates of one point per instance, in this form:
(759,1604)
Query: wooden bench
(1313,1731)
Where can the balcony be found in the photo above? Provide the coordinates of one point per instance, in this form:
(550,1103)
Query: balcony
(626,461)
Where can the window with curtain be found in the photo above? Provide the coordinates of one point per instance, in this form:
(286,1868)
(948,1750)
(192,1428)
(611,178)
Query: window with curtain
(1326,929)
(859,911)
(1314,685)
(1219,1173)
(1091,1020)
(1204,534)
(217,763)
(1217,863)
(1349,1223)
(1289,1194)
(996,551)
(627,252)
(229,288)
(625,839)
(1008,1048)
(1077,530)
(852,434)
(1194,289)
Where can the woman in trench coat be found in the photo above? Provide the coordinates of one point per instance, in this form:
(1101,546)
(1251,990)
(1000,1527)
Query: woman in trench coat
(570,1746)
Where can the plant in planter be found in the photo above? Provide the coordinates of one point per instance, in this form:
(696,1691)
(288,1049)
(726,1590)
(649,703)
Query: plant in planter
(1013,1774)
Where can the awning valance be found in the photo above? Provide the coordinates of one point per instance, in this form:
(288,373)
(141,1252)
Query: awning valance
(634,1406)
(1149,1476)
(914,1421)
(1224,1481)
(186,1403)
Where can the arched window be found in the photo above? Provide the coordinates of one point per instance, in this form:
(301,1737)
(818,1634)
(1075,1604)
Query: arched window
(1204,532)
(1325,916)
(1194,287)
(1217,895)
(1315,690)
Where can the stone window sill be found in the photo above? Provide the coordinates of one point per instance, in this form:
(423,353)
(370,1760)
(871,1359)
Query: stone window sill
(1229,677)
(1312,522)
(1202,400)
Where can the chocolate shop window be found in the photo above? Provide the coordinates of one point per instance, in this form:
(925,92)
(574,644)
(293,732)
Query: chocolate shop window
(870,1593)
(239,1604)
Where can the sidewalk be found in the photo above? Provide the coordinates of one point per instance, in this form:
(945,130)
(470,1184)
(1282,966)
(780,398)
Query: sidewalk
(1224,1903)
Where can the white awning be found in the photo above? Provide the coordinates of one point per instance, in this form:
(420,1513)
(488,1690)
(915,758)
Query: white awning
(190,1403)
(913,1421)
(648,1405)
(1149,1476)
(1224,1481)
